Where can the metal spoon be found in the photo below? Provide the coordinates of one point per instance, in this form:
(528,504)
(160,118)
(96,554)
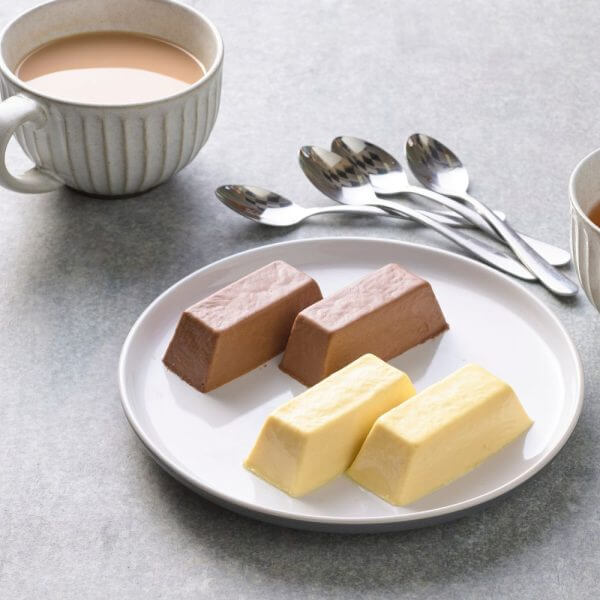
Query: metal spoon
(269,208)
(437,167)
(388,178)
(343,182)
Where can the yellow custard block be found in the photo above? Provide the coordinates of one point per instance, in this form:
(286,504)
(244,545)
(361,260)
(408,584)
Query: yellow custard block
(315,436)
(438,435)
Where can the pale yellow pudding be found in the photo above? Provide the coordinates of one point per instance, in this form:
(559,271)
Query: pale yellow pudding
(438,435)
(315,436)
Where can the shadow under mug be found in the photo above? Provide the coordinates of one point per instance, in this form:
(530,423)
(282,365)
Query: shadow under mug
(106,150)
(584,193)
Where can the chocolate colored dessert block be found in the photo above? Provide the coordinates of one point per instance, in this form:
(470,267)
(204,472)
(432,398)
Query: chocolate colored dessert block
(384,313)
(239,327)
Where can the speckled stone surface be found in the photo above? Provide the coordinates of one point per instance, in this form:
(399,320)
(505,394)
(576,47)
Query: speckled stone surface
(84,512)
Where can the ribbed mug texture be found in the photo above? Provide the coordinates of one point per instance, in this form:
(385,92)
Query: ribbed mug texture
(585,247)
(120,150)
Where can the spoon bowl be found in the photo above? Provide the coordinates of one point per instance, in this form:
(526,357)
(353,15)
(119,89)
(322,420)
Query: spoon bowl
(435,165)
(336,176)
(260,205)
(385,173)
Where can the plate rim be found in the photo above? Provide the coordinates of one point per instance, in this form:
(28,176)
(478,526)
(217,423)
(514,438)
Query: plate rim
(371,523)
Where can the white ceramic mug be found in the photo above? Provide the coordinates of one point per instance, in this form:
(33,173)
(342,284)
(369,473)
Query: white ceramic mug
(110,150)
(584,192)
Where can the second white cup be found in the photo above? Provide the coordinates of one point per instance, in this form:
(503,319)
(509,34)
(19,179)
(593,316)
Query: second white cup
(584,193)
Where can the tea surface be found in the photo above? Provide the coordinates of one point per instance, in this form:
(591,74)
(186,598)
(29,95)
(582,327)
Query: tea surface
(109,68)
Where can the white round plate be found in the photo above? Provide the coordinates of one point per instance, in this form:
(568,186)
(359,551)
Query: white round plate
(202,439)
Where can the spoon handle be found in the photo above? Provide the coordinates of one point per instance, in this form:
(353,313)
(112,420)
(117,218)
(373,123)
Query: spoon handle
(553,279)
(348,209)
(446,218)
(464,211)
(481,250)
(555,256)
(552,254)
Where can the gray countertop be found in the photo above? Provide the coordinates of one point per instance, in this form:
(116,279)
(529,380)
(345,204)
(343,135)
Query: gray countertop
(84,512)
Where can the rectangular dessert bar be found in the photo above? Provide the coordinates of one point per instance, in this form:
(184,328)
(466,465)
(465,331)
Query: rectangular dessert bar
(239,327)
(384,313)
(315,436)
(438,435)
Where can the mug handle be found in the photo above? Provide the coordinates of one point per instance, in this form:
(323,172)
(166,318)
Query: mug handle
(14,112)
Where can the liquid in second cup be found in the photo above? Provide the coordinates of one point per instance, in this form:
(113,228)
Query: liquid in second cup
(594,214)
